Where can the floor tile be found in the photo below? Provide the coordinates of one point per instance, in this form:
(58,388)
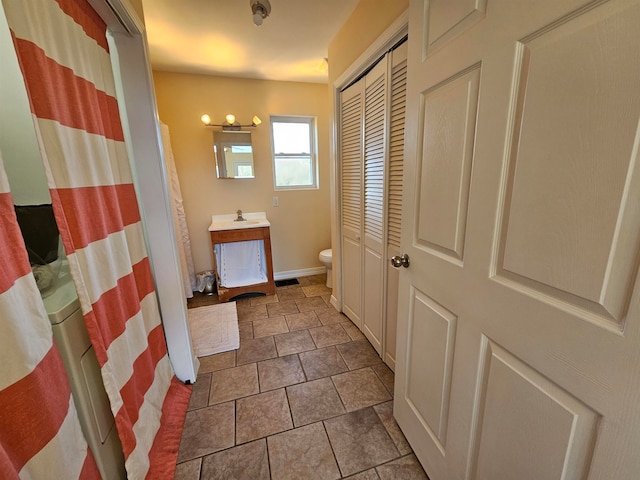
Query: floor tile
(366,475)
(251,313)
(188,470)
(303,453)
(359,441)
(263,299)
(386,376)
(262,415)
(242,301)
(316,291)
(360,388)
(282,308)
(280,372)
(385,412)
(405,468)
(256,349)
(309,304)
(314,401)
(359,354)
(200,392)
(233,383)
(207,430)
(298,321)
(246,331)
(320,279)
(330,315)
(248,461)
(353,331)
(290,294)
(329,335)
(322,363)
(294,342)
(269,326)
(219,361)
(306,391)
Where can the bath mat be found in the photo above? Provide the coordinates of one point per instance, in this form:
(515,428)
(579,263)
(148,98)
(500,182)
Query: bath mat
(214,328)
(286,283)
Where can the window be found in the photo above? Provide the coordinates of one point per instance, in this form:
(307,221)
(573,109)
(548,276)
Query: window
(294,152)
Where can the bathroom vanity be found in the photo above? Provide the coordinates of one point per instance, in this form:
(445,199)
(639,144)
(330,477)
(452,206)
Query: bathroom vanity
(242,254)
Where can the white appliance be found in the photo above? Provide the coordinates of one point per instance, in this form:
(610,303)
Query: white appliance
(88,391)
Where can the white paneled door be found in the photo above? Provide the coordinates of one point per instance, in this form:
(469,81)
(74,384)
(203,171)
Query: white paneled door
(518,353)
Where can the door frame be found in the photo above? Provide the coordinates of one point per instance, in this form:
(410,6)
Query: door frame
(391,36)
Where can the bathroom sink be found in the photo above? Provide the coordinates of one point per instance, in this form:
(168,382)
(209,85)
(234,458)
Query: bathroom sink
(228,222)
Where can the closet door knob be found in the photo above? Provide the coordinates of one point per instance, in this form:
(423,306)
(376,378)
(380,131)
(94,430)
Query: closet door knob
(400,261)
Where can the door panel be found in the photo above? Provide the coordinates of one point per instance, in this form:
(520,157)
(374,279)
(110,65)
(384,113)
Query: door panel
(375,179)
(391,324)
(513,393)
(447,156)
(518,351)
(352,104)
(397,113)
(352,278)
(566,231)
(429,364)
(448,19)
(373,298)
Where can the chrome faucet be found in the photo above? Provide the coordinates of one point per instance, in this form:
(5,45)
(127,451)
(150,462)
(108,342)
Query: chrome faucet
(240,217)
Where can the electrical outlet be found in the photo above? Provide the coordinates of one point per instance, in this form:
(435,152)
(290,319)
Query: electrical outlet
(276,202)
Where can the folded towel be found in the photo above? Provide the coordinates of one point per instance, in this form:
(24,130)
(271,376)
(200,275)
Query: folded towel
(241,263)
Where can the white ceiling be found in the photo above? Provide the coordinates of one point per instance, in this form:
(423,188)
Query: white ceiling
(218,37)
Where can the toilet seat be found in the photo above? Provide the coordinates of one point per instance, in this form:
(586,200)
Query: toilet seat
(325,255)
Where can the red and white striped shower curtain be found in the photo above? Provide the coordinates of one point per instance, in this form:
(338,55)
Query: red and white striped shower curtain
(64,57)
(40,435)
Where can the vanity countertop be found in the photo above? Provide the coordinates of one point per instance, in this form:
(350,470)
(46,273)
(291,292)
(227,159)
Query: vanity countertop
(228,222)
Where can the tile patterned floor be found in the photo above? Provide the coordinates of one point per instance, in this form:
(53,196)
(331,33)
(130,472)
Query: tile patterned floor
(304,397)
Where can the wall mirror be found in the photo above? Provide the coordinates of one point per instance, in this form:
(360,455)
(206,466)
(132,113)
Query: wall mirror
(234,154)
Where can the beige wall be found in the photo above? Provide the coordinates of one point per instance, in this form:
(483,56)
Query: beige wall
(367,22)
(300,226)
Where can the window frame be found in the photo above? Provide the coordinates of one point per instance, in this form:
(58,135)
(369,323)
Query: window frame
(313,155)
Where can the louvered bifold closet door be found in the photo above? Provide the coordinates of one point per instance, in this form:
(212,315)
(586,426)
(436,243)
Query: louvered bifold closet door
(397,100)
(351,106)
(375,150)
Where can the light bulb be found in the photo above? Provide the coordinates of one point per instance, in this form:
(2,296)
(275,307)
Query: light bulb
(230,119)
(257,18)
(206,119)
(256,120)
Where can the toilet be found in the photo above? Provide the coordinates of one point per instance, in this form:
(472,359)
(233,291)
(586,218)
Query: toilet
(325,258)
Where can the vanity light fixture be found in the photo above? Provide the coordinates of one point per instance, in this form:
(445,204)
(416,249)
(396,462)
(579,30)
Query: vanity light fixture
(230,122)
(260,10)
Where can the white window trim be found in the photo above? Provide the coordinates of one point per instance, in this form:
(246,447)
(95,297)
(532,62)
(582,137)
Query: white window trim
(311,120)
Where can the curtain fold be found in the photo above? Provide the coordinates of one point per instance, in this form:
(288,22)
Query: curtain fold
(64,57)
(179,217)
(40,435)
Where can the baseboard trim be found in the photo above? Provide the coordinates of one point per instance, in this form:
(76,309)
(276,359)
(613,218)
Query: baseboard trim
(305,272)
(390,361)
(334,301)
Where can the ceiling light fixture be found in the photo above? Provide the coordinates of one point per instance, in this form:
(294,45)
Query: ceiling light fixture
(260,10)
(230,122)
